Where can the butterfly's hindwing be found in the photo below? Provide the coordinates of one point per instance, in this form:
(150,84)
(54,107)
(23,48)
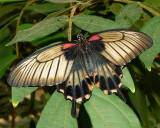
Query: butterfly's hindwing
(121,46)
(78,85)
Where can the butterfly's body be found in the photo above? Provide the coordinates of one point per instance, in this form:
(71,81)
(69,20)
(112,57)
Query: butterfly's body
(75,66)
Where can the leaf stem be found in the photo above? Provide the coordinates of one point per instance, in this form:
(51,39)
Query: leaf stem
(142,5)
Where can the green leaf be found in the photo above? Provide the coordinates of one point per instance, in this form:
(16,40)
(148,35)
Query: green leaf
(24,26)
(129,14)
(54,37)
(4,10)
(41,29)
(115,8)
(5,63)
(11,0)
(57,113)
(7,57)
(61,1)
(152,28)
(108,111)
(138,100)
(4,21)
(46,7)
(54,14)
(4,33)
(127,79)
(18,93)
(94,23)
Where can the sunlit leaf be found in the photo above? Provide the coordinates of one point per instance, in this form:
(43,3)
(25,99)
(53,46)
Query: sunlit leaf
(129,14)
(94,23)
(109,111)
(152,28)
(116,7)
(57,113)
(127,79)
(18,93)
(41,29)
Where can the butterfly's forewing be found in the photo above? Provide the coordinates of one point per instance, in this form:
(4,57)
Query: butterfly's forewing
(121,46)
(49,66)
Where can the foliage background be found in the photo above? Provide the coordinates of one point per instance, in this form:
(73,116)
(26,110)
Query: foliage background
(26,26)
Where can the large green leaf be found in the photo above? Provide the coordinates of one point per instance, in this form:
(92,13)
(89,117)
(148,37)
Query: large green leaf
(94,23)
(129,14)
(7,57)
(18,93)
(108,111)
(46,7)
(41,29)
(152,28)
(57,113)
(61,1)
(139,102)
(127,79)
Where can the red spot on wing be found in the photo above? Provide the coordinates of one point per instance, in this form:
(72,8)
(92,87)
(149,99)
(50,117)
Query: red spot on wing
(96,37)
(65,46)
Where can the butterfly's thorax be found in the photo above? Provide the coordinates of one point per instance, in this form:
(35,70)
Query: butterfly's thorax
(84,51)
(83,44)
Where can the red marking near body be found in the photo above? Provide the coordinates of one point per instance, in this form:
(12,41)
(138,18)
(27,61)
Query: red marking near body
(65,46)
(96,37)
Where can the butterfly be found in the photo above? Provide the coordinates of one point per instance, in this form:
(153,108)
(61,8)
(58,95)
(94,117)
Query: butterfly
(74,66)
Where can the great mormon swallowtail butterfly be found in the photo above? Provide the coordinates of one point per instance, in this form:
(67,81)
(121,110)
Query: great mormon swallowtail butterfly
(73,66)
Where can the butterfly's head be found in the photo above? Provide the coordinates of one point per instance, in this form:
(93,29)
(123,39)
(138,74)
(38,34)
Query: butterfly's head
(80,36)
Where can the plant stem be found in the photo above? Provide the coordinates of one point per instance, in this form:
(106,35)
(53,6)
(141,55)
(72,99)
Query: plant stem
(149,9)
(19,20)
(142,5)
(70,21)
(13,117)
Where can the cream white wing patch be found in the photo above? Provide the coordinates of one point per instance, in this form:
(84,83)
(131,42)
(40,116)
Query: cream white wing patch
(47,67)
(121,46)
